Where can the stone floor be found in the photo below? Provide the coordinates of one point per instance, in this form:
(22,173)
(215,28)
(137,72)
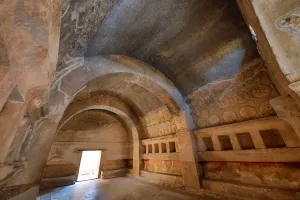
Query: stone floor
(118,189)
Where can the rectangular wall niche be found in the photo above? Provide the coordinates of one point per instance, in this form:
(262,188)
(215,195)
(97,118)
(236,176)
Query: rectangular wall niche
(163,147)
(172,147)
(208,143)
(225,142)
(245,140)
(272,139)
(149,148)
(156,147)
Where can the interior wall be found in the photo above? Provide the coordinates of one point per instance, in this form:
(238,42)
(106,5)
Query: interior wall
(29,32)
(259,155)
(277,175)
(90,130)
(161,160)
(157,123)
(243,147)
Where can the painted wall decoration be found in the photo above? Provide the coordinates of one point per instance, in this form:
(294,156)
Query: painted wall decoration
(242,97)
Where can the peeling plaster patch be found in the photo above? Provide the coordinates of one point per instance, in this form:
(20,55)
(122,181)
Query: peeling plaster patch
(80,21)
(12,176)
(229,87)
(290,22)
(72,63)
(66,96)
(29,194)
(27,20)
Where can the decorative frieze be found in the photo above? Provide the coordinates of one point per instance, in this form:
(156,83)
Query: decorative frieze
(242,97)
(161,145)
(270,132)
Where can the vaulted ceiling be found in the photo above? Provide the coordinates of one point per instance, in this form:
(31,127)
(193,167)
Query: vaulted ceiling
(191,42)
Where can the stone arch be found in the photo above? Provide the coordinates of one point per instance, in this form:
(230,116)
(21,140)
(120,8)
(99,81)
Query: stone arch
(73,79)
(100,101)
(112,105)
(121,114)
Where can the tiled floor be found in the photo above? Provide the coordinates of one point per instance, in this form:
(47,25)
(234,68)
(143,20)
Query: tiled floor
(117,189)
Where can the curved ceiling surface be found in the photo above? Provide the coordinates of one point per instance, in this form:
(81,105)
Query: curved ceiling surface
(192,42)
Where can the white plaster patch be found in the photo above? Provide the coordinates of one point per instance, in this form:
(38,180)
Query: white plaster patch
(290,22)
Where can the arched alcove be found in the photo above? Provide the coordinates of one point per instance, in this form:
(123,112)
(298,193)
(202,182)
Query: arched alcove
(168,116)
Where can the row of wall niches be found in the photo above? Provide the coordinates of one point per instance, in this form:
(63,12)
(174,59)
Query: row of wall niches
(162,147)
(270,139)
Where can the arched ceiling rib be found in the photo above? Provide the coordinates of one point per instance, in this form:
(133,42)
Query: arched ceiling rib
(106,103)
(122,85)
(90,120)
(74,79)
(93,120)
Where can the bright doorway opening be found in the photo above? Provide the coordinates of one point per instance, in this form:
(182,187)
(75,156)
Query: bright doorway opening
(89,165)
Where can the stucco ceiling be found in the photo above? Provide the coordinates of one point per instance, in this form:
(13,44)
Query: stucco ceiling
(90,120)
(192,42)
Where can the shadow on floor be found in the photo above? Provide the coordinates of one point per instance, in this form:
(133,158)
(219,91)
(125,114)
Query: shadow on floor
(118,189)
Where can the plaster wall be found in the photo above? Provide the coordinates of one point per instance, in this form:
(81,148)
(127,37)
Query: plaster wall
(276,175)
(253,155)
(29,32)
(115,156)
(283,43)
(90,130)
(204,64)
(171,167)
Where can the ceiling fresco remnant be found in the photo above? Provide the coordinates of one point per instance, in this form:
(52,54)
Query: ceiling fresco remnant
(80,21)
(242,97)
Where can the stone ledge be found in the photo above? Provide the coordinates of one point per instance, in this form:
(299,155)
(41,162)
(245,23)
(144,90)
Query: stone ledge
(161,156)
(255,155)
(32,193)
(114,173)
(248,192)
(129,173)
(47,183)
(245,126)
(18,191)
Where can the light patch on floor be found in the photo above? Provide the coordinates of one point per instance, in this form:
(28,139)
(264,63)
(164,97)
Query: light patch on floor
(118,189)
